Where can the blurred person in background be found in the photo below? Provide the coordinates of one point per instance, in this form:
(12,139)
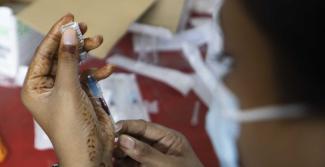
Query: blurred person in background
(276,49)
(274,44)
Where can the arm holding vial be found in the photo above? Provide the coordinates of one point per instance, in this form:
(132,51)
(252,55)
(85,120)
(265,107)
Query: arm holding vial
(81,132)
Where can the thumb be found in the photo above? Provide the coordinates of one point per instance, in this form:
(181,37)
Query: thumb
(68,60)
(141,152)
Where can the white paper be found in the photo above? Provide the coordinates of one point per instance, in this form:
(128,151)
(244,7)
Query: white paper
(201,90)
(8,44)
(152,31)
(21,75)
(193,56)
(175,79)
(196,36)
(152,107)
(41,140)
(123,96)
(28,40)
(199,21)
(205,6)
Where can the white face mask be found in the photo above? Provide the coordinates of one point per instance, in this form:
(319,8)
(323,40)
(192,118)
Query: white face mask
(223,131)
(225,116)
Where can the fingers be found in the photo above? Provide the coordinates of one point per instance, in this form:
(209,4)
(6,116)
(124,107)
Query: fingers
(141,152)
(83,27)
(103,72)
(68,60)
(161,138)
(143,129)
(41,64)
(93,43)
(99,74)
(90,43)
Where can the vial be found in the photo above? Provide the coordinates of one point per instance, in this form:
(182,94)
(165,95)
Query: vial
(75,26)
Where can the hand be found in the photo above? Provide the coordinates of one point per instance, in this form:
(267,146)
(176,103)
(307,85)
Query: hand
(149,144)
(81,132)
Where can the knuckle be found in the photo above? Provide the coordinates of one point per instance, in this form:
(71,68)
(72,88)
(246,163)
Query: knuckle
(68,58)
(71,49)
(177,141)
(143,126)
(170,138)
(180,136)
(180,139)
(177,134)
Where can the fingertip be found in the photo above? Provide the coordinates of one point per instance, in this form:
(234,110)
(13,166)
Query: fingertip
(100,39)
(83,27)
(93,42)
(69,46)
(103,72)
(69,38)
(55,30)
(97,40)
(126,142)
(66,18)
(140,151)
(109,68)
(69,15)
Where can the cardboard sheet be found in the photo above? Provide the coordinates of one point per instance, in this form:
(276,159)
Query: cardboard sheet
(165,13)
(110,18)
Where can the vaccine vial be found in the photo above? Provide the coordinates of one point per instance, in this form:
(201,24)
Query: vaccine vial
(75,26)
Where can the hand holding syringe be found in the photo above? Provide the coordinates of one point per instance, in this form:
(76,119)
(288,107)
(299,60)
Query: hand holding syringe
(97,92)
(61,103)
(91,82)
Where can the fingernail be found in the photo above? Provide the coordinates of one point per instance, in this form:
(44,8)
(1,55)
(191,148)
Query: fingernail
(70,41)
(70,37)
(110,69)
(118,127)
(68,15)
(116,140)
(127,142)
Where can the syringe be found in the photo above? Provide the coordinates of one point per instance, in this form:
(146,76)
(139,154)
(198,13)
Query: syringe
(91,81)
(96,91)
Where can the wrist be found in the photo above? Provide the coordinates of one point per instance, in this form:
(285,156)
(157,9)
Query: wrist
(70,155)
